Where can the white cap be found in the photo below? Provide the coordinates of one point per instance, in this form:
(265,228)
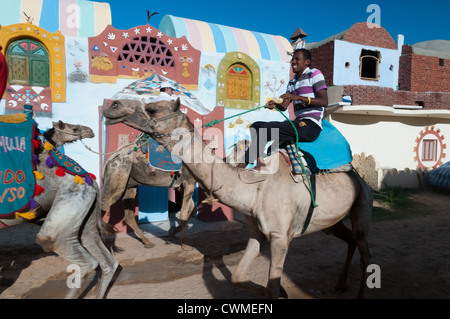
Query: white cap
(167,84)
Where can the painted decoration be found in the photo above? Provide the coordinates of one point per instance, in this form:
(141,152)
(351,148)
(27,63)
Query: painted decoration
(147,89)
(73,18)
(217,38)
(39,97)
(141,52)
(429,149)
(35,42)
(238,82)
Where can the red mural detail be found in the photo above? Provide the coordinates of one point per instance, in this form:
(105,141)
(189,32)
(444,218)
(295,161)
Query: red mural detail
(419,141)
(141,52)
(39,97)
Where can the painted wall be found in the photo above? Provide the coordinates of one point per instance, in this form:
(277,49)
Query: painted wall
(75,18)
(395,142)
(346,52)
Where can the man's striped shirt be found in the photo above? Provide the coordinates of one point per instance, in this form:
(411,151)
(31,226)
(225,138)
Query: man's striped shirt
(307,85)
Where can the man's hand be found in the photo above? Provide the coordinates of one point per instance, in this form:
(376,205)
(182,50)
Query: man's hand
(271,105)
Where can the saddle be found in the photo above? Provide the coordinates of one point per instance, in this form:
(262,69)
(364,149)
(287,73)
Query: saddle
(157,156)
(329,153)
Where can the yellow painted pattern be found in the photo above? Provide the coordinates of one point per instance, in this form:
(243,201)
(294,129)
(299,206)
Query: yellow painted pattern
(102,16)
(207,36)
(55,45)
(253,46)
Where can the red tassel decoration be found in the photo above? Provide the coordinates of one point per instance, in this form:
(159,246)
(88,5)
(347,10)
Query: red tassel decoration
(35,144)
(38,190)
(60,172)
(92,176)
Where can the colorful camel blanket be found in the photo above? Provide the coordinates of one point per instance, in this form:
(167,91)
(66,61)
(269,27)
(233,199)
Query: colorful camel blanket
(67,165)
(330,150)
(17,179)
(157,156)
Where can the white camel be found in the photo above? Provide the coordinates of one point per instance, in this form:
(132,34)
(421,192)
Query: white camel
(275,205)
(73,226)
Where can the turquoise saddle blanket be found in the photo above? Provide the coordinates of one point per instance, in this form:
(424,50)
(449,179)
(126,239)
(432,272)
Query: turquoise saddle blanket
(160,158)
(330,150)
(17,180)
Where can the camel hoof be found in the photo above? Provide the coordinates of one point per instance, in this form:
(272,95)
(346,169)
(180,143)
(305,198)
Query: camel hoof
(149,245)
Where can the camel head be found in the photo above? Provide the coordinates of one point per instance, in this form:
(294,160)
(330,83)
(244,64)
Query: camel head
(62,133)
(140,116)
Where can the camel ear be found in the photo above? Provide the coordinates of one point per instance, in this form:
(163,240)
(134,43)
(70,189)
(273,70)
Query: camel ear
(61,124)
(176,105)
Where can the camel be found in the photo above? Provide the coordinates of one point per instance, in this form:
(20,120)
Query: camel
(274,204)
(73,226)
(126,170)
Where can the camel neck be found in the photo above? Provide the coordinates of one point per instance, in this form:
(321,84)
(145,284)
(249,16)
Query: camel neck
(209,170)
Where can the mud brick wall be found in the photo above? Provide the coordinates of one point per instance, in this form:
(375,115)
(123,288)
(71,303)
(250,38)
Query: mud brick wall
(323,59)
(370,34)
(421,73)
(372,95)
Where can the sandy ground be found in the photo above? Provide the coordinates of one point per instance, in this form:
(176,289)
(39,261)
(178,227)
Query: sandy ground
(411,247)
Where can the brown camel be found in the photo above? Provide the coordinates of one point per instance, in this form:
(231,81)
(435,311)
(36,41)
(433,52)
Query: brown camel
(275,205)
(126,170)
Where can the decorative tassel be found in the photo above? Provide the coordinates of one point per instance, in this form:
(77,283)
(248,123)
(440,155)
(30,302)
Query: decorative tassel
(78,180)
(35,144)
(38,175)
(92,176)
(60,172)
(50,162)
(88,180)
(38,190)
(48,146)
(28,216)
(35,159)
(33,204)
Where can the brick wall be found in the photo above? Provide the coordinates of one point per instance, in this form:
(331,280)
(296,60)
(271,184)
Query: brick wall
(370,34)
(430,100)
(421,73)
(372,95)
(323,59)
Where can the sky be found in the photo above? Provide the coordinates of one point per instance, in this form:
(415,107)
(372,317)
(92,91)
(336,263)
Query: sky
(417,20)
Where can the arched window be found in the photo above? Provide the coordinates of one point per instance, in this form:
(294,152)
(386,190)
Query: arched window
(147,50)
(28,63)
(369,61)
(238,82)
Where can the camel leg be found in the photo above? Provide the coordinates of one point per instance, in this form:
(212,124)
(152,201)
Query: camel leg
(360,216)
(61,228)
(254,246)
(340,231)
(115,180)
(278,249)
(130,219)
(92,241)
(188,210)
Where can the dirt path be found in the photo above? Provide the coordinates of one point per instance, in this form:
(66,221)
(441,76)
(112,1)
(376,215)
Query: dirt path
(412,248)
